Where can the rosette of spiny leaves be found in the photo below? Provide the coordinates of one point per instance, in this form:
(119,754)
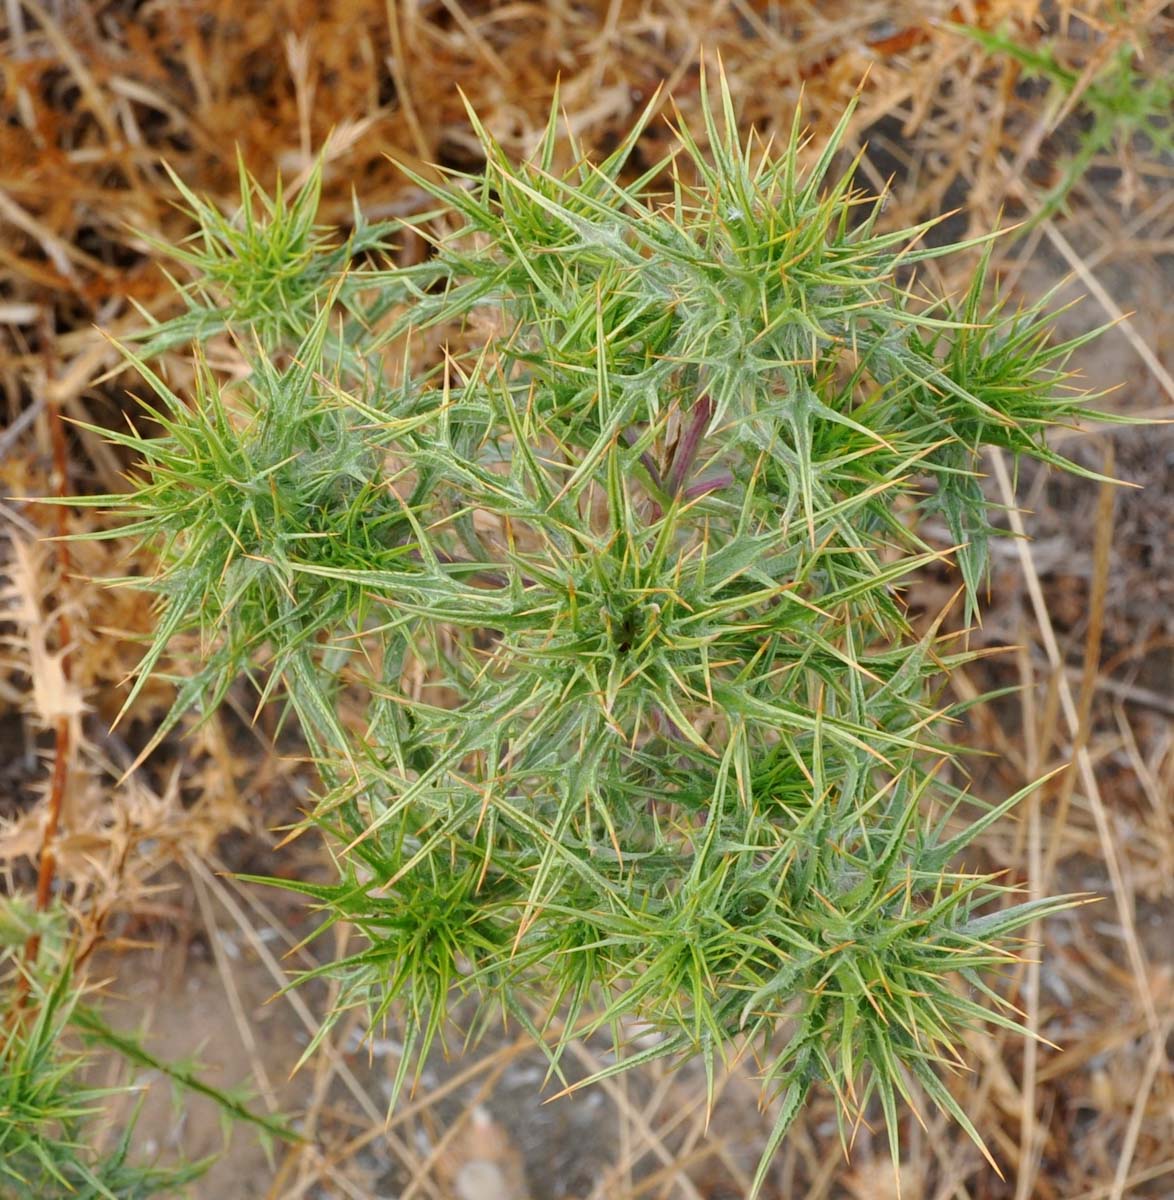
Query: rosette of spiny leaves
(672,759)
(262,271)
(249,487)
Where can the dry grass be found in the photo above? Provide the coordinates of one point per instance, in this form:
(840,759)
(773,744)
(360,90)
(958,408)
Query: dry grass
(97,93)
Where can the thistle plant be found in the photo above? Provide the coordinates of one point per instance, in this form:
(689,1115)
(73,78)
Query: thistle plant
(1126,109)
(578,552)
(48,1113)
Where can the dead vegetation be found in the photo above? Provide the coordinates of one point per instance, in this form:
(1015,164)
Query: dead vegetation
(97,94)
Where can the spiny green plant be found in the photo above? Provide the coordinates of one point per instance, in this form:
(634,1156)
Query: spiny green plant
(1126,106)
(638,735)
(47,1112)
(261,271)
